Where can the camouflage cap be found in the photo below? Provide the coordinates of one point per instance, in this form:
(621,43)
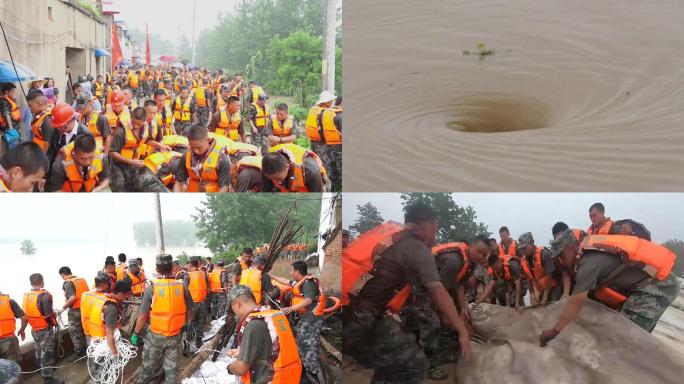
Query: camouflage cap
(525,239)
(10,372)
(164,259)
(132,263)
(83,99)
(259,260)
(263,96)
(238,291)
(562,241)
(102,277)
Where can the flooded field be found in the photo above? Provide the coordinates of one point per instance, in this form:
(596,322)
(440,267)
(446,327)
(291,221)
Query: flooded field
(514,96)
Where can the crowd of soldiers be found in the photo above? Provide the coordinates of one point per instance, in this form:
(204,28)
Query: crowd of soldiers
(411,312)
(159,129)
(173,314)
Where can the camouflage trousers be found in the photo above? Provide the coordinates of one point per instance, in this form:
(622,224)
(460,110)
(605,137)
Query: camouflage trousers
(199,314)
(645,305)
(160,351)
(421,318)
(260,140)
(219,303)
(384,343)
(322,151)
(146,181)
(308,331)
(121,179)
(182,128)
(203,116)
(45,350)
(76,331)
(9,348)
(335,157)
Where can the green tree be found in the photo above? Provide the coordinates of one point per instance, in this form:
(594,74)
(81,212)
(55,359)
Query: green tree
(677,247)
(369,218)
(27,248)
(456,223)
(228,222)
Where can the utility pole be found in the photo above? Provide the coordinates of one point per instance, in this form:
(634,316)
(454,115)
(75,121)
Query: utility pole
(178,41)
(194,8)
(158,229)
(328,67)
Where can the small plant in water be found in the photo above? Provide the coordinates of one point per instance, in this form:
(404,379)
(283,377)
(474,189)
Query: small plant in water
(27,247)
(482,51)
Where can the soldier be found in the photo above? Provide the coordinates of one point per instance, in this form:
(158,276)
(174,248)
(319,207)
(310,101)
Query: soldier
(196,282)
(259,281)
(600,224)
(218,283)
(254,355)
(73,288)
(10,372)
(506,271)
(38,309)
(9,344)
(135,276)
(507,246)
(607,272)
(372,333)
(308,303)
(258,114)
(243,262)
(163,341)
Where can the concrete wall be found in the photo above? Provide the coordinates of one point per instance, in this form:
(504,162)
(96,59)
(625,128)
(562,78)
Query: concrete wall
(46,35)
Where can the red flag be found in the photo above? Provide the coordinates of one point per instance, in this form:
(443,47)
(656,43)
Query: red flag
(147,54)
(117,55)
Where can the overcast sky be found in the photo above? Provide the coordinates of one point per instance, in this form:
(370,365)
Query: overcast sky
(662,214)
(88,217)
(163,16)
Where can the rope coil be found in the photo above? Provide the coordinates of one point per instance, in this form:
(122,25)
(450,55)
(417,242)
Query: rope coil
(109,367)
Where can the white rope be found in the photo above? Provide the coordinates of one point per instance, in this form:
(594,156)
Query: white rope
(109,367)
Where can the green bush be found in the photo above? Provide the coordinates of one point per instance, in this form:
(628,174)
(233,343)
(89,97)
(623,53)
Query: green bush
(299,113)
(303,141)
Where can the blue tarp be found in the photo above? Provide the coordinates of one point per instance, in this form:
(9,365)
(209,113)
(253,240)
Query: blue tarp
(99,52)
(7,74)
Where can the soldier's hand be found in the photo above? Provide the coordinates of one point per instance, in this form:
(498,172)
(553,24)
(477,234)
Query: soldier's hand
(165,148)
(22,334)
(138,163)
(464,340)
(547,336)
(287,310)
(233,352)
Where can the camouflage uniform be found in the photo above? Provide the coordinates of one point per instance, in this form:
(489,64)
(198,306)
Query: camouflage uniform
(199,313)
(384,343)
(645,305)
(321,149)
(146,181)
(335,157)
(422,319)
(182,128)
(203,116)
(9,348)
(155,347)
(218,304)
(308,331)
(76,331)
(10,372)
(45,350)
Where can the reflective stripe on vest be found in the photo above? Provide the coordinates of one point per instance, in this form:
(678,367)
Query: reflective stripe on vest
(8,323)
(182,112)
(251,277)
(198,285)
(167,314)
(287,365)
(298,297)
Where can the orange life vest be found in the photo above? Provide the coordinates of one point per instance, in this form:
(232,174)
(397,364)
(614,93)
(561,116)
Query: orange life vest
(157,160)
(137,282)
(246,162)
(215,283)
(207,179)
(74,175)
(121,271)
(167,123)
(287,365)
(604,229)
(654,259)
(506,270)
(262,115)
(37,134)
(92,127)
(8,323)
(230,124)
(282,130)
(256,91)
(98,89)
(511,250)
(453,247)
(234,148)
(298,297)
(87,300)
(297,155)
(198,286)
(284,289)
(359,257)
(331,133)
(134,148)
(167,315)
(201,97)
(235,91)
(15,112)
(96,322)
(181,111)
(133,80)
(313,125)
(243,264)
(124,117)
(36,319)
(251,277)
(81,286)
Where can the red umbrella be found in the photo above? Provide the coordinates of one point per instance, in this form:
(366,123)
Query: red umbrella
(168,58)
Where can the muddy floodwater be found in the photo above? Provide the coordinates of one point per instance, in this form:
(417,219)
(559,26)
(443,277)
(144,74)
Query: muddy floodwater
(514,95)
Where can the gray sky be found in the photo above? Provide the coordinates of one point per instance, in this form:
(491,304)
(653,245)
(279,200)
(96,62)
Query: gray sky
(662,214)
(163,16)
(90,217)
